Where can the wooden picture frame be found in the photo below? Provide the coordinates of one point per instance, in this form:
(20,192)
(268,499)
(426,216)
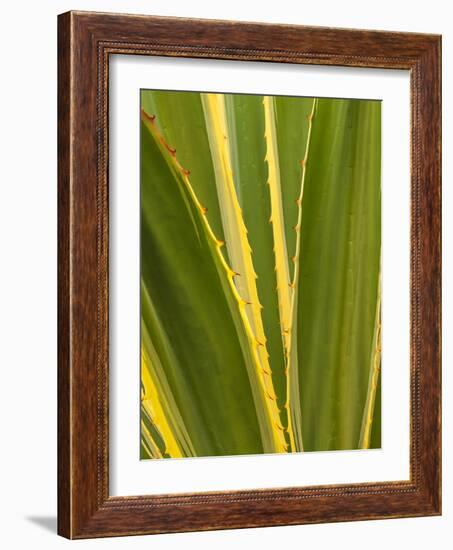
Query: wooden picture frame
(85,42)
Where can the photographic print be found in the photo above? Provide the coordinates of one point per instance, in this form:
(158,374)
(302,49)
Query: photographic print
(260,274)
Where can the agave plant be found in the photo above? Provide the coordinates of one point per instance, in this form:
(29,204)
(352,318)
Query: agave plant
(260,274)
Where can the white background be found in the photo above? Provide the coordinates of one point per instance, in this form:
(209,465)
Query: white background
(28,274)
(129,476)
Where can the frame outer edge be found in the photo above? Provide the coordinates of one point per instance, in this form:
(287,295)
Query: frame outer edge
(79,264)
(438,168)
(427,229)
(434,122)
(64,527)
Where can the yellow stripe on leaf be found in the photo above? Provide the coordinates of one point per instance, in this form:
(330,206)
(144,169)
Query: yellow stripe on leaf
(375,369)
(151,403)
(277,221)
(240,255)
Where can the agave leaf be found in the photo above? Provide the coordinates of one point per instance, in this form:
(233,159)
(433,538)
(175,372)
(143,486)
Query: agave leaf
(373,382)
(198,313)
(293,389)
(179,117)
(149,443)
(375,442)
(240,254)
(214,332)
(245,121)
(292,121)
(339,271)
(278,224)
(287,139)
(158,404)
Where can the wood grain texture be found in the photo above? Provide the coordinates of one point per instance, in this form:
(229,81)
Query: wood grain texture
(64,390)
(86,40)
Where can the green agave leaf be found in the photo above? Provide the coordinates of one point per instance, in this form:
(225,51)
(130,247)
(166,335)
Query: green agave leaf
(198,332)
(179,116)
(339,271)
(373,380)
(376,442)
(293,356)
(197,314)
(158,405)
(292,123)
(282,269)
(245,118)
(240,254)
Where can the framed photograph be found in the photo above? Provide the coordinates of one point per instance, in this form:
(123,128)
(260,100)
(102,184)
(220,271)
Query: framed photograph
(249,275)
